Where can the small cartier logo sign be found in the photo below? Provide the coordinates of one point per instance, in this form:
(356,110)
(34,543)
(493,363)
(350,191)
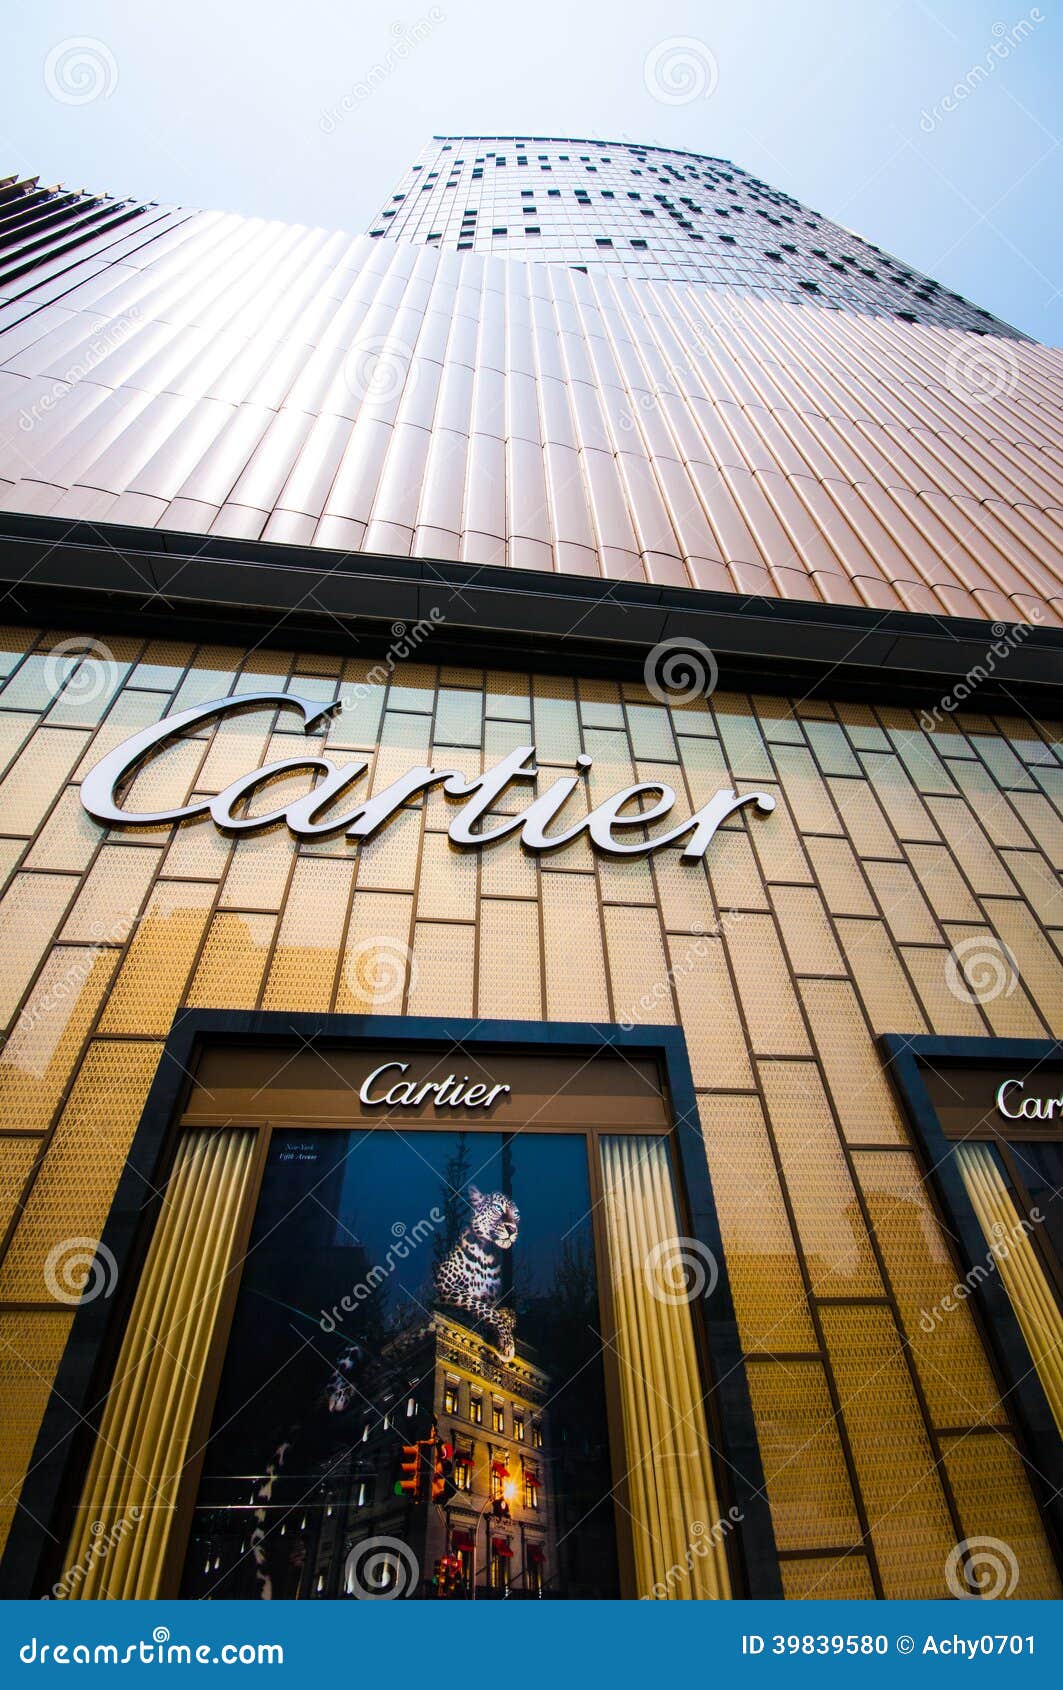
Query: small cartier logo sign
(454,1091)
(313,817)
(1016,1104)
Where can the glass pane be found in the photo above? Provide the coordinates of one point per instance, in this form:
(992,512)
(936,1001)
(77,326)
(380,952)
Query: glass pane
(419,1311)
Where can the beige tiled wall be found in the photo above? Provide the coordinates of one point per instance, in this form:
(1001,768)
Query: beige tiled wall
(806,933)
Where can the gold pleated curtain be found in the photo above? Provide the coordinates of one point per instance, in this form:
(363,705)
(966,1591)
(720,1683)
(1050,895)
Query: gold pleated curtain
(1036,1309)
(130,1492)
(672,1492)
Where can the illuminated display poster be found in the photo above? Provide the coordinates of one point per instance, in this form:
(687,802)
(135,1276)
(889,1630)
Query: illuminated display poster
(413,1389)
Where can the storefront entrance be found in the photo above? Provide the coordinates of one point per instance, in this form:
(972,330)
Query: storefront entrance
(427,1315)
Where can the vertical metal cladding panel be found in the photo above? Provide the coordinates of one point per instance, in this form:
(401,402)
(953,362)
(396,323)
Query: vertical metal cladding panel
(762,1261)
(669,1460)
(808,1484)
(831,1228)
(131,1486)
(30,913)
(827,1579)
(910,1527)
(31,1346)
(1008,1555)
(47,1039)
(956,1378)
(509,966)
(303,967)
(71,1195)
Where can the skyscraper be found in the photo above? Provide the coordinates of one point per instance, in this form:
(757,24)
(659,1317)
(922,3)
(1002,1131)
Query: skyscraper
(656,214)
(569,674)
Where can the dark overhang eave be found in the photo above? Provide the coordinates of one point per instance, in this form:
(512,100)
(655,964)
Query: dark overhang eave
(214,589)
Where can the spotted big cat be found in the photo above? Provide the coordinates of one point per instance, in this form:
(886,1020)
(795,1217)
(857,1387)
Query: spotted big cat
(470,1275)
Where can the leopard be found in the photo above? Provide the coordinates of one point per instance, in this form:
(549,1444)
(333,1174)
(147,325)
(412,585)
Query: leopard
(470,1275)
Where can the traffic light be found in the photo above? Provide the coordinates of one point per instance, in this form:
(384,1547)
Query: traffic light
(442,1472)
(409,1481)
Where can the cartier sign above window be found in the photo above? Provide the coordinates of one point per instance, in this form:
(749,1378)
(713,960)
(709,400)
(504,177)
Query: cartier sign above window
(315,815)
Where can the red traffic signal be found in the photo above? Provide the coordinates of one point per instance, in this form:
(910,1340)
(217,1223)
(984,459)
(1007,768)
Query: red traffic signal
(409,1480)
(442,1471)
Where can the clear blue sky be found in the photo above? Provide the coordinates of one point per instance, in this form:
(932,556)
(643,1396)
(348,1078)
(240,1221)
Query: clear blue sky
(218,103)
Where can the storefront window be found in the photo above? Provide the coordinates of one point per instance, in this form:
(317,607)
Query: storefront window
(332,1322)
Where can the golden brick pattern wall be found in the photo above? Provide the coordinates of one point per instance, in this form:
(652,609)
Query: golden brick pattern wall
(808,932)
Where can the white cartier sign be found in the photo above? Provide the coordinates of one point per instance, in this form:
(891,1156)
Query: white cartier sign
(451,1092)
(312,816)
(1018,1108)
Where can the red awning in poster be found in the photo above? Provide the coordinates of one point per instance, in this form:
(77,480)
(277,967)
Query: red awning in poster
(500,1470)
(536,1554)
(532,1479)
(462,1540)
(501,1547)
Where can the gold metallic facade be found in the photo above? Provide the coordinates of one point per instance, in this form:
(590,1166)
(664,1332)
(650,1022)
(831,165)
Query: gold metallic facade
(219,375)
(804,935)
